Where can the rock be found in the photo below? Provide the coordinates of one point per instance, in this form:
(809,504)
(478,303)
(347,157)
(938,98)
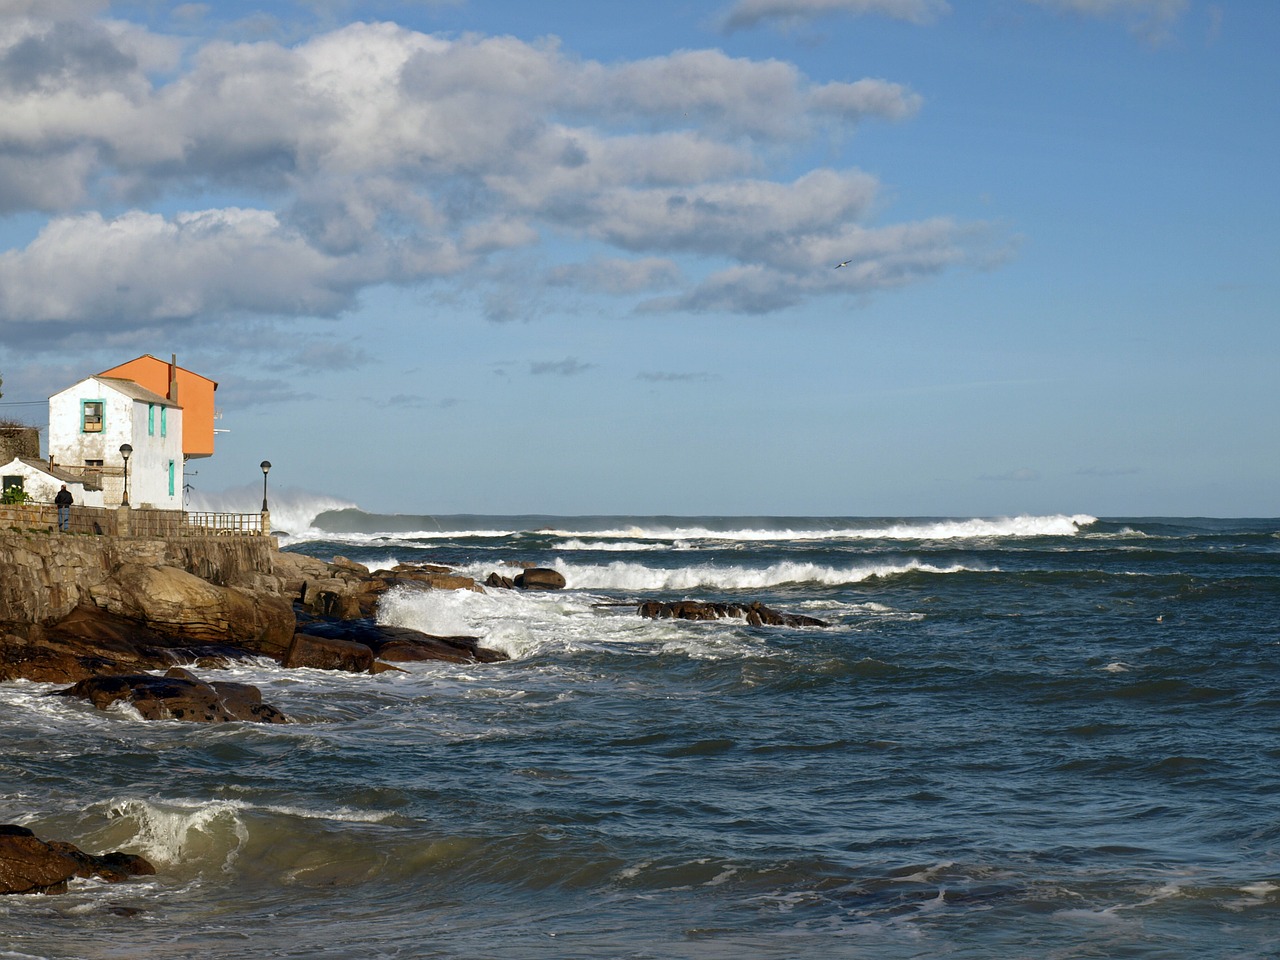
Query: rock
(342,563)
(540,578)
(173,603)
(30,865)
(497,580)
(755,613)
(178,695)
(402,644)
(91,642)
(328,653)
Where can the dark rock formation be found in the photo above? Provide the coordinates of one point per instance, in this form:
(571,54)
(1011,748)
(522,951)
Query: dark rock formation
(328,653)
(90,642)
(755,613)
(30,865)
(497,580)
(399,644)
(178,695)
(540,578)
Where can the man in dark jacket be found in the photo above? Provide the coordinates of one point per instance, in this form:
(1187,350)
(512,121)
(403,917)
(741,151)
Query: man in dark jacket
(64,501)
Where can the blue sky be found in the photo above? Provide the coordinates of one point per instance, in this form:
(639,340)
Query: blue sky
(506,257)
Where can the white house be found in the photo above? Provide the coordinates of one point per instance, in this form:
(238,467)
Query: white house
(89,423)
(41,482)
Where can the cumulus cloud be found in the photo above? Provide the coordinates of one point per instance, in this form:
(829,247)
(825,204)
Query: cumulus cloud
(376,154)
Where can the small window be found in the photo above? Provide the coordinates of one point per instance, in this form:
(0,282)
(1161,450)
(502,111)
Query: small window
(151,419)
(91,416)
(164,421)
(93,472)
(172,477)
(15,481)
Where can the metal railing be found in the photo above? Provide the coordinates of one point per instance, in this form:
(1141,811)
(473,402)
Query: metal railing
(40,517)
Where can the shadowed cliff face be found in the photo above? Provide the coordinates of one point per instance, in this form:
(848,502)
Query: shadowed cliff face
(76,607)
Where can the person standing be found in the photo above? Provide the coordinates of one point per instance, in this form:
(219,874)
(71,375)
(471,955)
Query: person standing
(64,501)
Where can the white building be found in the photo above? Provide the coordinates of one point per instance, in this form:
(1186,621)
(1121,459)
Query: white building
(90,421)
(41,483)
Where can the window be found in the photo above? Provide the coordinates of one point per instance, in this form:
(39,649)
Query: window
(13,482)
(91,412)
(151,419)
(93,472)
(172,475)
(164,421)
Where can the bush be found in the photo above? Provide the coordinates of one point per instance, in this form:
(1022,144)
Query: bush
(14,495)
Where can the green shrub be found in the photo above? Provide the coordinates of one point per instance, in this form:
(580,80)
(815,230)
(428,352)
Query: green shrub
(14,495)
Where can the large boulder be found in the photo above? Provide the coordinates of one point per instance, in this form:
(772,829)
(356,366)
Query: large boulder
(175,603)
(90,642)
(540,578)
(178,695)
(30,865)
(328,653)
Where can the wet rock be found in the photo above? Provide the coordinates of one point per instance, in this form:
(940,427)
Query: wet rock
(540,578)
(178,695)
(30,865)
(402,644)
(497,580)
(755,613)
(91,642)
(328,653)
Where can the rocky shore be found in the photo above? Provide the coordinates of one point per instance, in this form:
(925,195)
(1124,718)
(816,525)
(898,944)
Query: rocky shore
(131,620)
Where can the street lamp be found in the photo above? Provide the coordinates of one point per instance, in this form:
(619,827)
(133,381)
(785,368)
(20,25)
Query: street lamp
(125,451)
(265,465)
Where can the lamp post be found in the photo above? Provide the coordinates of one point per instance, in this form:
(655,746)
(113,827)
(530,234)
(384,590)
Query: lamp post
(265,465)
(125,451)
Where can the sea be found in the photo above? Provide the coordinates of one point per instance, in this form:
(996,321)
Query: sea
(1015,737)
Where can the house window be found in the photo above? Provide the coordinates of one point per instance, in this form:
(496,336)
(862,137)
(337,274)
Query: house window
(91,415)
(164,421)
(151,419)
(12,482)
(93,472)
(172,476)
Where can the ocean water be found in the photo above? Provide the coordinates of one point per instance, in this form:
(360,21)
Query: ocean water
(1050,736)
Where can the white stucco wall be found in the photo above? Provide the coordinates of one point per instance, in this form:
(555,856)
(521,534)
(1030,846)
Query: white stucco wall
(41,487)
(125,420)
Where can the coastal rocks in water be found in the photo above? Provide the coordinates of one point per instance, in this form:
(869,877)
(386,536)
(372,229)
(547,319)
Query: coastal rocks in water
(346,590)
(755,613)
(178,695)
(328,653)
(400,644)
(176,603)
(90,642)
(540,578)
(531,578)
(31,865)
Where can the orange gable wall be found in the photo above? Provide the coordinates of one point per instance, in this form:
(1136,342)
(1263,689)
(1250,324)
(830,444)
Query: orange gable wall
(195,396)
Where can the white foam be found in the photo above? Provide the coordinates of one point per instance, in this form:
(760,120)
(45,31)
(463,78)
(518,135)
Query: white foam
(621,575)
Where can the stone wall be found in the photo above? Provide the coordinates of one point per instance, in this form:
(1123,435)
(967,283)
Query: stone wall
(44,576)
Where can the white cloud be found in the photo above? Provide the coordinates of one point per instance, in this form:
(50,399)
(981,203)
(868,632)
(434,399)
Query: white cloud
(376,154)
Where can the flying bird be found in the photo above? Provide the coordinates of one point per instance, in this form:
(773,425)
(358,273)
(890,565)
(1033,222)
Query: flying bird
(843,263)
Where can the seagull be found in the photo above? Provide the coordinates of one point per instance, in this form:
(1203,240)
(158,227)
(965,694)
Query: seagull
(843,263)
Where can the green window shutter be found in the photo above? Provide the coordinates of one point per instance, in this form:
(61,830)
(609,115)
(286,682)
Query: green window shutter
(151,419)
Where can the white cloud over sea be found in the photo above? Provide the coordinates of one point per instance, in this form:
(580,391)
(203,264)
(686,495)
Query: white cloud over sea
(376,154)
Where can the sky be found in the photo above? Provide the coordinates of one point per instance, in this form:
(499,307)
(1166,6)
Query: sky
(498,256)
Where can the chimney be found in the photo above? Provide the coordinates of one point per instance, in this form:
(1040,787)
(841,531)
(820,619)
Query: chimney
(173,378)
